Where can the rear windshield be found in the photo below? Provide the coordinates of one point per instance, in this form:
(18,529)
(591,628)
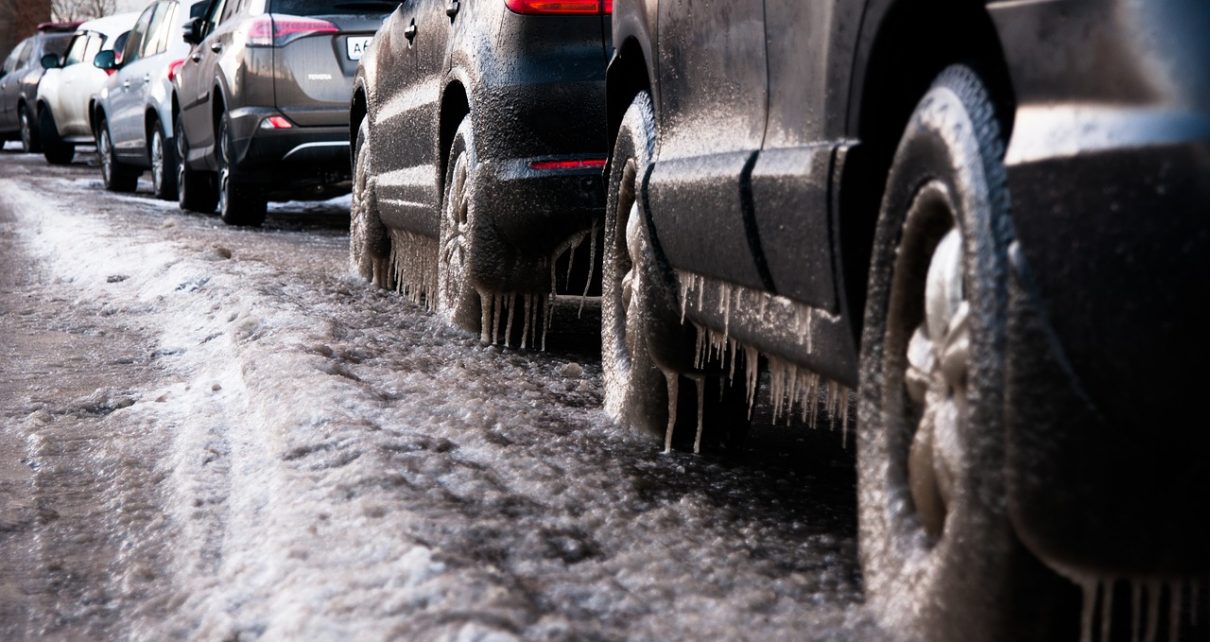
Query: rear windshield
(55,43)
(331,7)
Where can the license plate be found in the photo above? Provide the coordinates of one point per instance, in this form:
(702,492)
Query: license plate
(357,46)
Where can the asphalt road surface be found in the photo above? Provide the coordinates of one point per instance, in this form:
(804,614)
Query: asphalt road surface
(211,433)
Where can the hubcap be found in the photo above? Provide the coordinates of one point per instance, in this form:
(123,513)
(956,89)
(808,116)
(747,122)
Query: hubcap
(224,172)
(27,134)
(106,161)
(453,249)
(938,357)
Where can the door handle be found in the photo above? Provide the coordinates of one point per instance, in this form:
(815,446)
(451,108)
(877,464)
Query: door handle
(216,47)
(126,84)
(146,78)
(196,57)
(451,10)
(410,32)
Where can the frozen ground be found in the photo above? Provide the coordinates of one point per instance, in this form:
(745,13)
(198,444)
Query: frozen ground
(217,434)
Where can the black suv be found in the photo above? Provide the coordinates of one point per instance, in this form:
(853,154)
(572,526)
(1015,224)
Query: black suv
(987,222)
(261,103)
(480,138)
(19,81)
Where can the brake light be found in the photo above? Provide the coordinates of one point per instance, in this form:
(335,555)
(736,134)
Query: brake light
(583,163)
(173,67)
(275,30)
(561,7)
(276,122)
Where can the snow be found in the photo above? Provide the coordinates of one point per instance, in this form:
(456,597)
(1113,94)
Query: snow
(326,460)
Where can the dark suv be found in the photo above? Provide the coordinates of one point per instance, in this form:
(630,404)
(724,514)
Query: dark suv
(480,138)
(19,81)
(984,220)
(263,102)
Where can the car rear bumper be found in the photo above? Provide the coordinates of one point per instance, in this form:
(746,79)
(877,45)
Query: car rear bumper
(1109,336)
(300,160)
(529,216)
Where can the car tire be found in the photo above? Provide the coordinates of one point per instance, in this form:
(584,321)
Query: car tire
(369,243)
(162,159)
(940,559)
(457,299)
(237,204)
(30,144)
(115,176)
(195,190)
(54,149)
(644,353)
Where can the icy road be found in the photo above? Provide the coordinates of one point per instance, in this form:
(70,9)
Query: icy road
(210,433)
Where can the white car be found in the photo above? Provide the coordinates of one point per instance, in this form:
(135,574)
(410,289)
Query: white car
(71,84)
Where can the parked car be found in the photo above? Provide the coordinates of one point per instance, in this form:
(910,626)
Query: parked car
(479,132)
(70,87)
(984,220)
(19,81)
(263,102)
(132,117)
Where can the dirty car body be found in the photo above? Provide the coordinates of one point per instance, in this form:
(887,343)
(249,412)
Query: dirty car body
(774,142)
(532,84)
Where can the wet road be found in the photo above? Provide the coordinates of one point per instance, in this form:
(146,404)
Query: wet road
(218,434)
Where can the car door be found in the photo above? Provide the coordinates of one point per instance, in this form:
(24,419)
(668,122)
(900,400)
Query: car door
(10,87)
(198,74)
(138,62)
(712,92)
(69,78)
(407,123)
(790,181)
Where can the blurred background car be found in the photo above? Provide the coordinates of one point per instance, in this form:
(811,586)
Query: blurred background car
(262,102)
(986,222)
(479,141)
(71,85)
(132,117)
(19,81)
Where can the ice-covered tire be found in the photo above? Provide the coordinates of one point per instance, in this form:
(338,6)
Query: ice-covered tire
(195,190)
(116,176)
(457,298)
(940,559)
(54,149)
(238,204)
(162,160)
(30,143)
(645,350)
(369,243)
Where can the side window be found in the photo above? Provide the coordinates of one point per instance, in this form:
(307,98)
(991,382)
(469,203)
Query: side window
(75,51)
(154,39)
(11,62)
(232,8)
(214,16)
(164,31)
(134,44)
(94,47)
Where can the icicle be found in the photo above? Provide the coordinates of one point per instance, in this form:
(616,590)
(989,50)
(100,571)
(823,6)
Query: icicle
(547,311)
(844,418)
(592,259)
(497,304)
(528,315)
(1174,611)
(485,315)
(751,359)
(685,286)
(1153,610)
(671,378)
(700,382)
(511,303)
(1089,590)
(571,256)
(1107,609)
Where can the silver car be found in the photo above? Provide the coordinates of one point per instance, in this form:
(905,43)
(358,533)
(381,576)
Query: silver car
(132,116)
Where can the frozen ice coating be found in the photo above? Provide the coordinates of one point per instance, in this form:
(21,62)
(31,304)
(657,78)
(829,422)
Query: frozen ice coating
(1173,604)
(279,451)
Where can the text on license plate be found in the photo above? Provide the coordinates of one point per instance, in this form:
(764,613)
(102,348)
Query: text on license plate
(357,46)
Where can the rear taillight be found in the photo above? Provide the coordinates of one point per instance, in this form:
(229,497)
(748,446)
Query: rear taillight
(276,122)
(275,30)
(561,7)
(581,163)
(173,67)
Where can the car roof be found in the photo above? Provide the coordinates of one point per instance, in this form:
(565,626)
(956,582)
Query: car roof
(111,25)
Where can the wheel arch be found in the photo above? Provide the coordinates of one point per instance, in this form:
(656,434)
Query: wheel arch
(902,46)
(358,111)
(628,74)
(455,106)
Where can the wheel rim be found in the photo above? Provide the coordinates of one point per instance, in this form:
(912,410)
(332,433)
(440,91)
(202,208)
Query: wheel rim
(627,258)
(454,245)
(180,158)
(27,134)
(157,161)
(106,160)
(929,347)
